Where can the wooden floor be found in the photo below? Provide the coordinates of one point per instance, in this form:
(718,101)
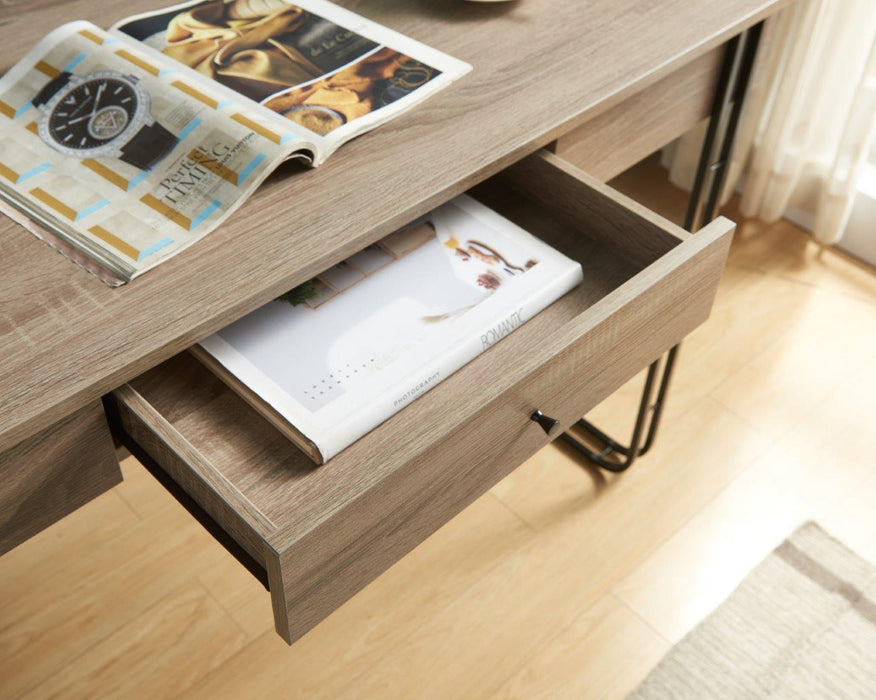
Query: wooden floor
(561,582)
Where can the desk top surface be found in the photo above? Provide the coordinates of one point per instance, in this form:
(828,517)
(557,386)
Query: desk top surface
(541,67)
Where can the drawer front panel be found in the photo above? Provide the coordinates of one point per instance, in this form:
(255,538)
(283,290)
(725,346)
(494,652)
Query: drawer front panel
(52,473)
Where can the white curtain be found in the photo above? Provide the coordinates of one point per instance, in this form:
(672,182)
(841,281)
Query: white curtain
(808,118)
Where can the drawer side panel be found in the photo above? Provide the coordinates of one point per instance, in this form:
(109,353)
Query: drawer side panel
(186,467)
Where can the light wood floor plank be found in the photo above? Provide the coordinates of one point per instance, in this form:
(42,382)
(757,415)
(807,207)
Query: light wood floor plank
(239,594)
(602,654)
(58,557)
(157,654)
(114,585)
(814,471)
(781,249)
(553,491)
(853,519)
(700,566)
(142,492)
(357,638)
(832,339)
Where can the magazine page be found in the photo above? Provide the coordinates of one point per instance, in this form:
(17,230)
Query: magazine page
(375,332)
(313,63)
(111,152)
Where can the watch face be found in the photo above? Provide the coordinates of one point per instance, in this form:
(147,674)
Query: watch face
(94,115)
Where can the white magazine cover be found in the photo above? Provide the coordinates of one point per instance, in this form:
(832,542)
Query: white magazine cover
(343,352)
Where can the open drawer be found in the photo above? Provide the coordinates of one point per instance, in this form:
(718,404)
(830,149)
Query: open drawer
(322,533)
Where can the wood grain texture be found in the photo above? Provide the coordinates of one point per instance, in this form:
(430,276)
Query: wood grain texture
(630,131)
(268,412)
(186,466)
(340,525)
(632,232)
(52,473)
(540,69)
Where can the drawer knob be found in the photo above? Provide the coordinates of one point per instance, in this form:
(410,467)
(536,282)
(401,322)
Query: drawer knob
(551,426)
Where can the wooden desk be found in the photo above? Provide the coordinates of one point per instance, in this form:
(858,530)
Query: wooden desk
(542,69)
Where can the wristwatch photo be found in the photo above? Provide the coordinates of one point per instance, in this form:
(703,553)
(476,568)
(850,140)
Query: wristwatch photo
(102,114)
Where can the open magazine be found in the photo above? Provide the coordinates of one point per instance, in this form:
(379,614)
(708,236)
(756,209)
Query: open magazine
(333,358)
(122,147)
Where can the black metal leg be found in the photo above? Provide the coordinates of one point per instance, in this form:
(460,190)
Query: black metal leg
(710,176)
(614,457)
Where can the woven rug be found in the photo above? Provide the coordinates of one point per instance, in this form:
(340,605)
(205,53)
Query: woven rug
(801,625)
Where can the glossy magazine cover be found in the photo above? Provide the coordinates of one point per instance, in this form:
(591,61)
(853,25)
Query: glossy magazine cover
(122,148)
(325,69)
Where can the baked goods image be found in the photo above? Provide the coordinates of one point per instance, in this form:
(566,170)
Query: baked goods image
(373,82)
(309,69)
(256,47)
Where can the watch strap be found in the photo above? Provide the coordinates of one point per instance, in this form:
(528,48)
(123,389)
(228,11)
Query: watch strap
(51,88)
(148,146)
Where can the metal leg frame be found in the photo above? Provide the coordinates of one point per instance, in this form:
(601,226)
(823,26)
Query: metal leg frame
(710,176)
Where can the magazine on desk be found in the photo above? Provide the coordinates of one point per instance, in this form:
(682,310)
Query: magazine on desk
(122,147)
(335,357)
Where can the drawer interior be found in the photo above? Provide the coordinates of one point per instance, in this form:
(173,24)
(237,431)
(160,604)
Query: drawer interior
(311,526)
(277,478)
